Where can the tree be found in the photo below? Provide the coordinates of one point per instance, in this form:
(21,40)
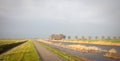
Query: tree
(118,37)
(108,38)
(96,37)
(69,37)
(57,36)
(103,37)
(83,38)
(52,36)
(114,37)
(76,37)
(61,36)
(89,37)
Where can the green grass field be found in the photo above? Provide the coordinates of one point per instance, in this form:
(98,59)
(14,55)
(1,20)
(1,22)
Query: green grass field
(23,52)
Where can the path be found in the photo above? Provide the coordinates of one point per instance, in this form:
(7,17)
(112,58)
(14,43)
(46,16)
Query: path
(46,55)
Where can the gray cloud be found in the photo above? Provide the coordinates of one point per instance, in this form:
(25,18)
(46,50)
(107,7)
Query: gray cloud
(29,18)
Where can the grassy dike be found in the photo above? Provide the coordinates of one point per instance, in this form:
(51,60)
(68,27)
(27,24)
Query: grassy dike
(66,56)
(5,47)
(23,52)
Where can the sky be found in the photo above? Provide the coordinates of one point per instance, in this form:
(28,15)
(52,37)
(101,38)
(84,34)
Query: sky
(41,18)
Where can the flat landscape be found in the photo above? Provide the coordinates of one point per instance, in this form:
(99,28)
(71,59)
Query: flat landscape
(59,30)
(58,50)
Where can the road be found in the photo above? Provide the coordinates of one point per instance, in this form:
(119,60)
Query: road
(46,55)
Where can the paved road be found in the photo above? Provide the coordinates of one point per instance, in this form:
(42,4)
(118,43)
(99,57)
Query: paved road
(46,55)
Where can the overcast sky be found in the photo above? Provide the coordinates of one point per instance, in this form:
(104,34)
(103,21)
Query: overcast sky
(41,18)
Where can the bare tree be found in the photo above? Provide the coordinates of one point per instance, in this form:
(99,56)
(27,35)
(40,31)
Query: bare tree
(83,38)
(96,37)
(62,36)
(52,36)
(57,36)
(76,37)
(103,37)
(108,38)
(118,37)
(69,37)
(89,37)
(114,37)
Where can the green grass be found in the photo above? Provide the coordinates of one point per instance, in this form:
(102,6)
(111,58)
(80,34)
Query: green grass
(5,47)
(114,41)
(23,52)
(2,42)
(66,56)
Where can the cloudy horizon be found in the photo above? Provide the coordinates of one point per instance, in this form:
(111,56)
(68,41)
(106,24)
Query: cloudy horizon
(41,18)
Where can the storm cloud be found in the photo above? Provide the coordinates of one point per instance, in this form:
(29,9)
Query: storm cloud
(40,18)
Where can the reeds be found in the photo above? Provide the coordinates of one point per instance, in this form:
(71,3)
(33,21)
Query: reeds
(79,48)
(99,42)
(112,53)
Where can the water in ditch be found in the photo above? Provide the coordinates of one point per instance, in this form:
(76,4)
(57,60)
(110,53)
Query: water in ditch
(96,56)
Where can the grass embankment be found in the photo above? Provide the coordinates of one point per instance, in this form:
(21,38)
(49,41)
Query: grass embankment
(8,44)
(3,42)
(23,52)
(98,42)
(66,56)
